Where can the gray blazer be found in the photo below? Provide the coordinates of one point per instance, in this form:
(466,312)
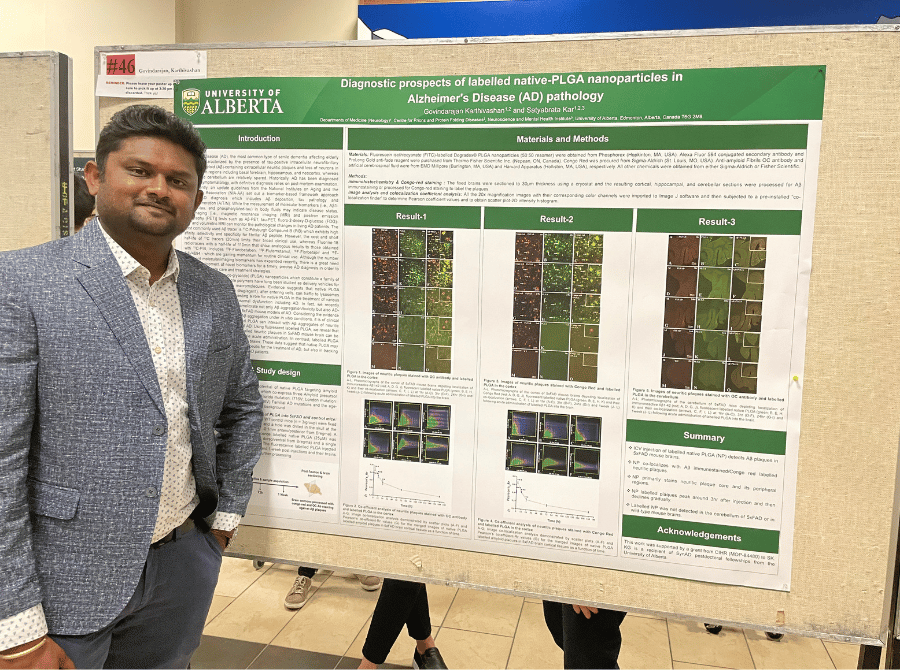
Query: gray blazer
(83,429)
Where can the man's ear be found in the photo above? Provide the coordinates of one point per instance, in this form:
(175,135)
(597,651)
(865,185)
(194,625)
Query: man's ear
(92,177)
(198,200)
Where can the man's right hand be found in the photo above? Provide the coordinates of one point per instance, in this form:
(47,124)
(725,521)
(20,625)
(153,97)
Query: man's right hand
(48,655)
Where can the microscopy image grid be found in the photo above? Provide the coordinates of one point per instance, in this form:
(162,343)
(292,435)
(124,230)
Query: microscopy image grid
(713,312)
(407,431)
(551,443)
(412,299)
(556,306)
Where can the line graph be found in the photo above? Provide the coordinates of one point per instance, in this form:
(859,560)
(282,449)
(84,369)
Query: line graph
(259,483)
(380,488)
(519,501)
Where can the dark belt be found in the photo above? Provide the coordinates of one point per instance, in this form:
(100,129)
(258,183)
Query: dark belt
(175,533)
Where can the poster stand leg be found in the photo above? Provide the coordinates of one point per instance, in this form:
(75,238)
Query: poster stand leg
(869,656)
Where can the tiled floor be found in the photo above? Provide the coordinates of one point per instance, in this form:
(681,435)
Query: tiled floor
(249,627)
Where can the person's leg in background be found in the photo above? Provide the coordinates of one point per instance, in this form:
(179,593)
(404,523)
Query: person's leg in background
(592,642)
(400,603)
(299,592)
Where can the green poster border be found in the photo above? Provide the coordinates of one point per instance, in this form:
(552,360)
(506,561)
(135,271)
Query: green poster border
(297,373)
(748,440)
(435,216)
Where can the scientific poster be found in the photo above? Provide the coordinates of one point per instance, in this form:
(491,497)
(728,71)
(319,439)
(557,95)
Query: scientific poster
(558,315)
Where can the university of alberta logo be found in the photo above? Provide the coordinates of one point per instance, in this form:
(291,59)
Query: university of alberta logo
(190,101)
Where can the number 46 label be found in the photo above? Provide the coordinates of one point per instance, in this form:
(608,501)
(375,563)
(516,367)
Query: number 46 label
(119,64)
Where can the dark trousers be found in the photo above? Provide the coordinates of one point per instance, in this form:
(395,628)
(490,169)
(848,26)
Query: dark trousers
(161,625)
(586,643)
(398,603)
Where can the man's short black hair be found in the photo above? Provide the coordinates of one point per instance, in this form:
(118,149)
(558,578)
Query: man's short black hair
(150,121)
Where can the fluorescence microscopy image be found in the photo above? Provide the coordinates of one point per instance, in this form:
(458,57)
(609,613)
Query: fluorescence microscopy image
(588,248)
(407,431)
(712,315)
(440,243)
(557,277)
(411,329)
(412,300)
(384,300)
(525,364)
(412,243)
(680,313)
(556,307)
(711,335)
(745,316)
(585,337)
(741,378)
(709,345)
(526,335)
(529,247)
(378,444)
(527,307)
(554,460)
(743,347)
(412,281)
(584,463)
(411,357)
(408,416)
(586,308)
(553,443)
(412,272)
(440,272)
(407,446)
(678,343)
(716,251)
(439,302)
(384,327)
(555,427)
(384,242)
(438,331)
(437,359)
(522,425)
(437,449)
(747,284)
(557,282)
(555,336)
(676,373)
(528,277)
(437,418)
(379,414)
(714,283)
(681,282)
(586,430)
(521,456)
(385,271)
(554,365)
(558,247)
(384,356)
(684,250)
(582,367)
(587,278)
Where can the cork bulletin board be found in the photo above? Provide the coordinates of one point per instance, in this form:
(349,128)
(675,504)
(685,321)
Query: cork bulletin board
(846,504)
(36,107)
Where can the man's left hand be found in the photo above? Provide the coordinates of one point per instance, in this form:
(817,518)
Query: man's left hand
(585,610)
(222,536)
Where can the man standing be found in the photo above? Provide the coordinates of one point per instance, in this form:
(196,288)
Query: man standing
(129,418)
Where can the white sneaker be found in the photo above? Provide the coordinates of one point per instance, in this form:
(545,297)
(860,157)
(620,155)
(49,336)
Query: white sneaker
(299,593)
(369,583)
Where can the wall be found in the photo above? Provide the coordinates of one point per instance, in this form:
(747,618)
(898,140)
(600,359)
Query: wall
(218,21)
(75,27)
